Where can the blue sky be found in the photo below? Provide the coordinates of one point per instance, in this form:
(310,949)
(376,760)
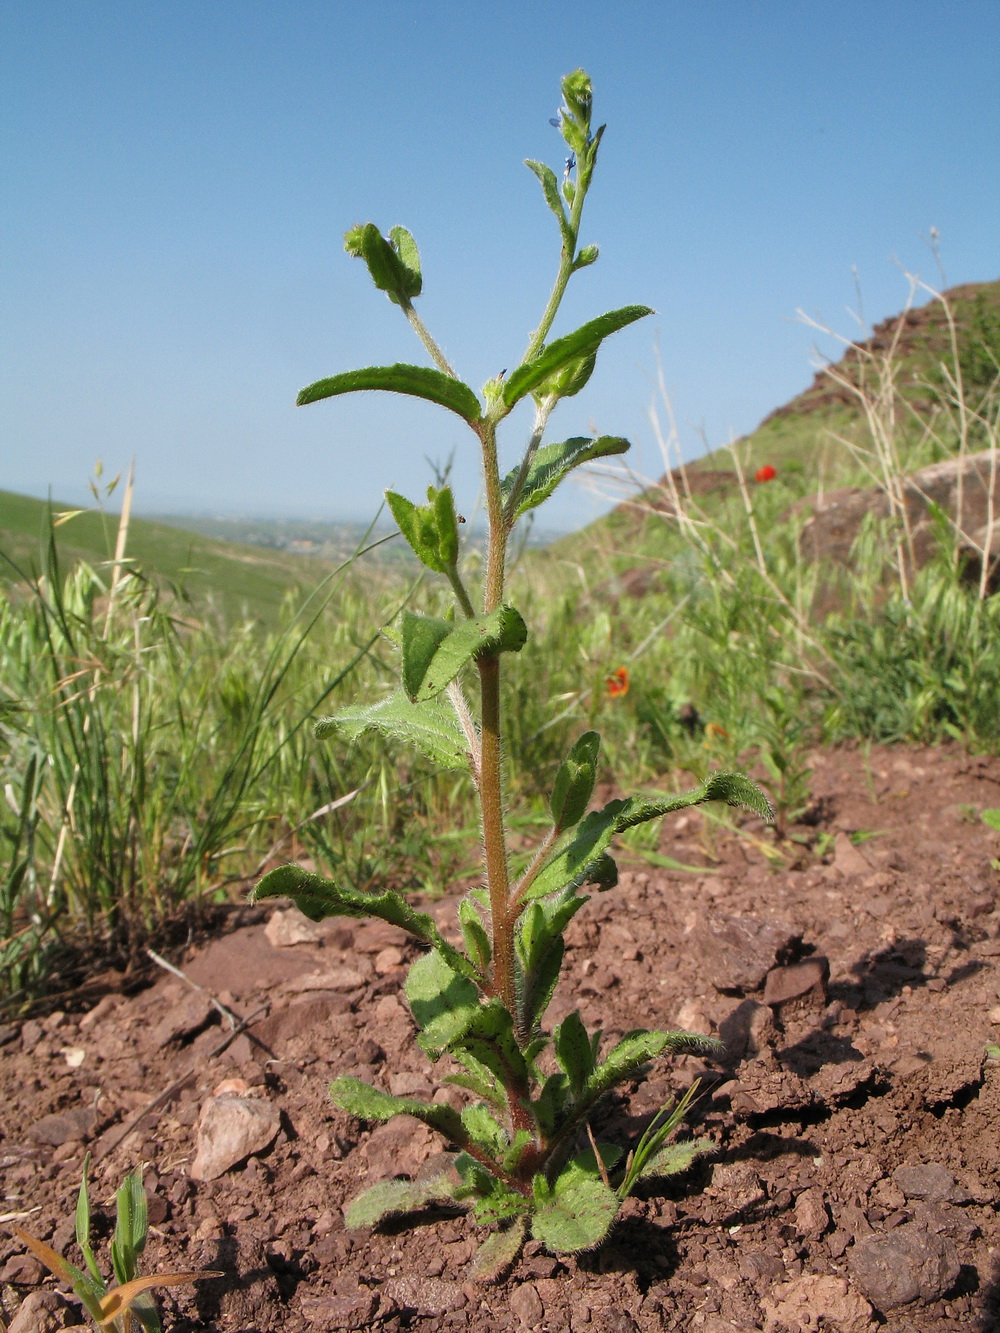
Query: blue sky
(178,176)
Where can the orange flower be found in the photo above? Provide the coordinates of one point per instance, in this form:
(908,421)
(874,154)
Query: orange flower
(713,730)
(617,683)
(765,473)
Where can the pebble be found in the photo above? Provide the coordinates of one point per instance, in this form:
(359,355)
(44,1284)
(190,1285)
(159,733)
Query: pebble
(526,1305)
(40,1312)
(797,979)
(288,928)
(929,1180)
(231,1129)
(805,1300)
(907,1264)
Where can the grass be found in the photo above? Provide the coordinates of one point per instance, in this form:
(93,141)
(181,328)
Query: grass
(155,742)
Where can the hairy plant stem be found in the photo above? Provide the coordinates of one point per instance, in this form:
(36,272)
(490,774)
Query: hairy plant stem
(566,266)
(423,333)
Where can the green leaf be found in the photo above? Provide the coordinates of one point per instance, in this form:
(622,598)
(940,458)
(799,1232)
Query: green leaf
(675,1158)
(574,1051)
(550,464)
(489,1038)
(409,255)
(577,1211)
(582,856)
(390,1197)
(550,188)
(83,1228)
(637,1049)
(574,784)
(557,354)
(368,1103)
(429,726)
(434,651)
(131,1226)
(394,264)
(431,530)
(550,1105)
(991,818)
(417,381)
(477,941)
(319,898)
(499,1251)
(444,1003)
(485,1131)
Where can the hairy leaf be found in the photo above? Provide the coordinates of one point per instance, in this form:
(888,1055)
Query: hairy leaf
(551,463)
(477,942)
(319,898)
(581,857)
(390,1197)
(416,381)
(431,530)
(559,353)
(499,1251)
(675,1158)
(434,651)
(368,1103)
(577,1211)
(444,1002)
(429,726)
(574,1051)
(639,1047)
(574,784)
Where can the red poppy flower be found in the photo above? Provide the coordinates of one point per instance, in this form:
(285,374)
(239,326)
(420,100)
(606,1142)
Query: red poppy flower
(617,683)
(765,473)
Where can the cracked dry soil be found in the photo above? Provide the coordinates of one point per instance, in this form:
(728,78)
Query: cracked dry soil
(854,1182)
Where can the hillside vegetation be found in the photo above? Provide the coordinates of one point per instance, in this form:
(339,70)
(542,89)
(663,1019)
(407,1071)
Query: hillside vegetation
(156,727)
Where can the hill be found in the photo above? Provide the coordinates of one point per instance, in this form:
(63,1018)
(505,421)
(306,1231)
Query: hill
(238,580)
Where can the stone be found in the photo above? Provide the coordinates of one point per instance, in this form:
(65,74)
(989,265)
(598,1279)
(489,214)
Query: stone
(41,1312)
(848,859)
(388,959)
(340,977)
(804,1301)
(72,1126)
(747,1031)
(929,1180)
(230,1130)
(424,1295)
(812,1217)
(288,928)
(738,952)
(526,1305)
(797,980)
(738,1186)
(182,1020)
(23,1270)
(905,1265)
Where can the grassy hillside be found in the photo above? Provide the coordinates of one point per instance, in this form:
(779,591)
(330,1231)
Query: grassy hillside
(239,580)
(907,372)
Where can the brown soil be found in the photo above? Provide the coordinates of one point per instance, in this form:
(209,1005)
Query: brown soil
(856,1149)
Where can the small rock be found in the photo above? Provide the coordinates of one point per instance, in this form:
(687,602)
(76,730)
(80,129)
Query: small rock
(70,1126)
(526,1305)
(41,1312)
(23,1270)
(930,1181)
(350,1310)
(807,978)
(285,929)
(738,952)
(339,978)
(31,1034)
(747,1031)
(388,959)
(424,1295)
(906,1264)
(408,1083)
(691,1018)
(847,858)
(812,1216)
(231,1129)
(182,1020)
(738,1186)
(805,1300)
